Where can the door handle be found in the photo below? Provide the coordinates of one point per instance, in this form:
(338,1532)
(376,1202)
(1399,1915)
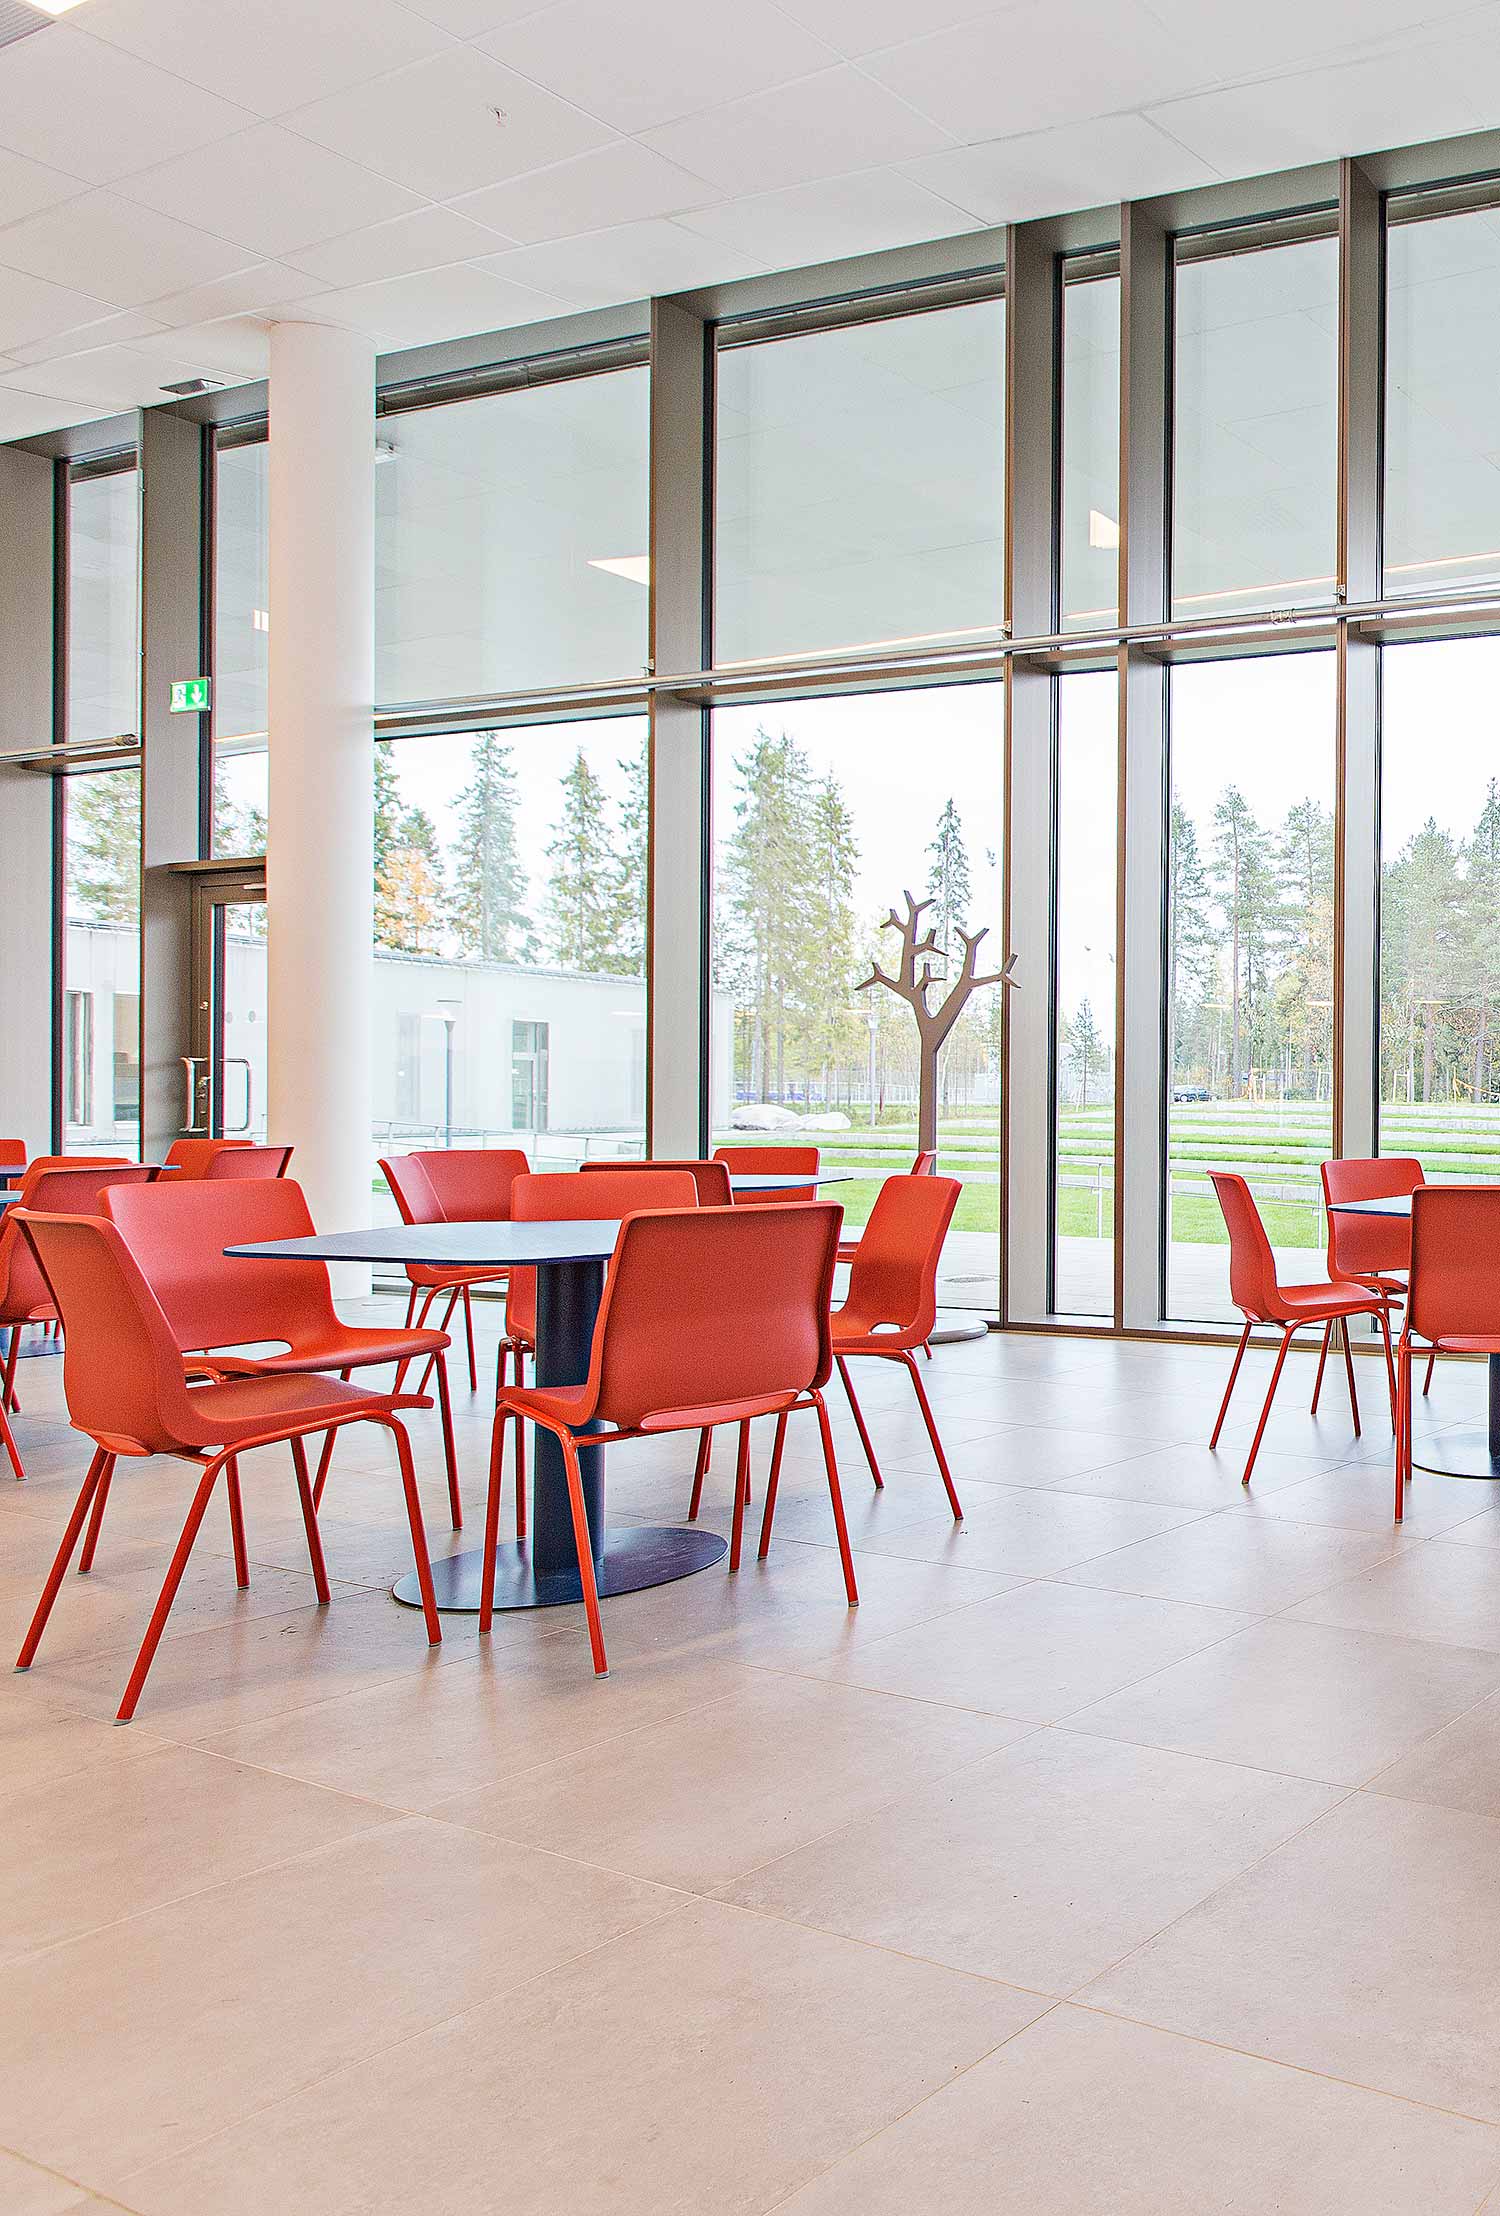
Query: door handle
(192,1129)
(240,1061)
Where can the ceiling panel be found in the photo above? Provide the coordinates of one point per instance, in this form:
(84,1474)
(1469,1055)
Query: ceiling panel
(118,252)
(657,59)
(267,54)
(109,330)
(603,267)
(432,238)
(405,311)
(26,187)
(862,26)
(822,126)
(30,308)
(1277,125)
(1078,165)
(25,415)
(449,125)
(821,222)
(96,113)
(271,191)
(624,182)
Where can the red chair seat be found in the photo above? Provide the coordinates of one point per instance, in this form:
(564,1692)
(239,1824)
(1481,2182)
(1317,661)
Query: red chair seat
(244,1408)
(1328,1298)
(443,1274)
(356,1346)
(1466,1345)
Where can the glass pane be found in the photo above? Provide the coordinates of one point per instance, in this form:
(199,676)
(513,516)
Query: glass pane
(242,629)
(1091,453)
(1440,908)
(510,941)
(511,540)
(101,961)
(825,813)
(1250,961)
(103,606)
(860,485)
(1084,1141)
(1442,406)
(1255,422)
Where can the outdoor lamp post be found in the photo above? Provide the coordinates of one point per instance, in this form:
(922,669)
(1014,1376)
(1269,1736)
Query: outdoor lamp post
(446,1013)
(873,1020)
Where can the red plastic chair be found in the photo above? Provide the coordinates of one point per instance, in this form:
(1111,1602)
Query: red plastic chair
(452,1185)
(177,1233)
(126,1390)
(560,1197)
(892,1299)
(191,1157)
(244,1164)
(770,1161)
(12,1161)
(924,1165)
(1254,1289)
(24,1296)
(709,1316)
(1453,1294)
(1374,1250)
(711,1178)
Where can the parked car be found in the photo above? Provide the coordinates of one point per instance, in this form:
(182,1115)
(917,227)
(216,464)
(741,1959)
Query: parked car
(1191,1093)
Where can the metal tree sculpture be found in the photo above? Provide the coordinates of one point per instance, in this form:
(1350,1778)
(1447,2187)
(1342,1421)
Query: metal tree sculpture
(913,983)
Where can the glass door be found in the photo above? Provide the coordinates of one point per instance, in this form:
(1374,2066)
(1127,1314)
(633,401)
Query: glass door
(224,1073)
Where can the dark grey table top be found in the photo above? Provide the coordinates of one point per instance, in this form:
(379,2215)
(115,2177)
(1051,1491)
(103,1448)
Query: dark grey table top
(464,1246)
(1390,1204)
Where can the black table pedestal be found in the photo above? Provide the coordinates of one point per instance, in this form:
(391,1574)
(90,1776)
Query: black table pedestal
(542,1570)
(1467,1453)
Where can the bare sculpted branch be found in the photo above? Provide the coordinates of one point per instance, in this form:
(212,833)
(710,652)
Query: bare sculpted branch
(912,986)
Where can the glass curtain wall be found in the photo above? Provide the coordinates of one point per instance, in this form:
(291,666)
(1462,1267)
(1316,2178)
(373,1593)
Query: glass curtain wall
(1085,986)
(827,813)
(1090,453)
(241,642)
(101,878)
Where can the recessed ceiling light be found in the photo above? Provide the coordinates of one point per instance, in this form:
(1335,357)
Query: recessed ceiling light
(189,388)
(54,7)
(637,567)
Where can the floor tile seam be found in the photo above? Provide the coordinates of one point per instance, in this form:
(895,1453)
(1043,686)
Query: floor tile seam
(1371,1784)
(1077,1729)
(199,1892)
(1113,2014)
(893,2123)
(386,2048)
(1320,1592)
(84,2192)
(888,1552)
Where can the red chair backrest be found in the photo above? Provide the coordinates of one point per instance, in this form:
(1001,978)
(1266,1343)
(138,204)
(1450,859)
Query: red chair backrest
(413,1195)
(925,1165)
(12,1153)
(709,1308)
(571,1196)
(177,1231)
(770,1161)
(40,1162)
(74,1191)
(1364,1246)
(1455,1262)
(242,1164)
(122,1372)
(471,1184)
(711,1178)
(893,1275)
(191,1157)
(1252,1265)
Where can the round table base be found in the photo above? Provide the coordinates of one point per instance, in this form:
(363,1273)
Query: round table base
(954,1325)
(655,1554)
(1457,1454)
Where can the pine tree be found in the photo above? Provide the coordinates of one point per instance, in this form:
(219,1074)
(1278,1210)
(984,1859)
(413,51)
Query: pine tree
(388,808)
(1193,944)
(489,876)
(948,886)
(1086,1047)
(834,855)
(582,900)
(1304,990)
(104,845)
(1245,884)
(1481,936)
(634,863)
(764,952)
(409,908)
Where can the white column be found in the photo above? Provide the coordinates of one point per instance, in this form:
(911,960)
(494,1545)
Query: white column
(320,855)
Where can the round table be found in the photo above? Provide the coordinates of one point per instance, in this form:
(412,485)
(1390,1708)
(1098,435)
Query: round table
(1448,1453)
(540,1571)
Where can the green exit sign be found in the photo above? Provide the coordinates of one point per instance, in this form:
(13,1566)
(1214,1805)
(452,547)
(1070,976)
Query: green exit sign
(189,696)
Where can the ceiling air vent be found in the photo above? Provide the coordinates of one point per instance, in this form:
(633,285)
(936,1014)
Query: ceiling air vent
(17,19)
(189,388)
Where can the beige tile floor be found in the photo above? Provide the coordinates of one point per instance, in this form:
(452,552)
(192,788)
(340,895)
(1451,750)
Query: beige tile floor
(1131,1850)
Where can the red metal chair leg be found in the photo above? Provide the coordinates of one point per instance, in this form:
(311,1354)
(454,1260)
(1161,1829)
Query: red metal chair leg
(772,1482)
(1390,1367)
(1427,1380)
(8,1397)
(1344,1333)
(1260,1429)
(492,1522)
(1322,1364)
(445,1412)
(447,1319)
(308,1499)
(1403,1427)
(830,1463)
(168,1593)
(411,1308)
(1239,1356)
(325,1458)
(418,1531)
(741,1495)
(237,1524)
(96,1518)
(585,1553)
(469,1332)
(520,1467)
(700,1472)
(937,1444)
(859,1423)
(420,1325)
(61,1559)
(8,1441)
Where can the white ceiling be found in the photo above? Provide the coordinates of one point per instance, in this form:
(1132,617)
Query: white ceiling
(176,174)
